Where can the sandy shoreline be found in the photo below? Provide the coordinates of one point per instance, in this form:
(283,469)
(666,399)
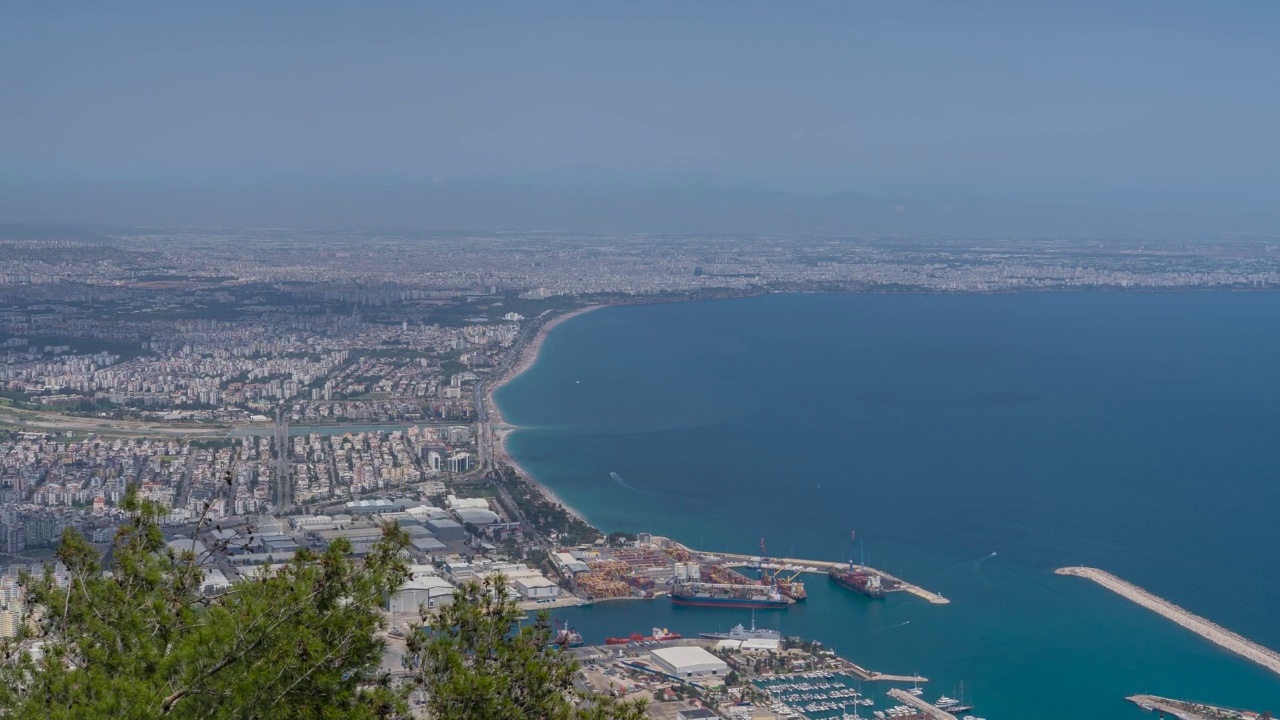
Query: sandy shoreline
(498,425)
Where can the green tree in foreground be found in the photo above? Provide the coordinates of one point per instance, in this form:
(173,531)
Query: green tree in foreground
(142,641)
(476,662)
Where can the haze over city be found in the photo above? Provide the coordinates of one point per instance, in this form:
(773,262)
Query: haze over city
(989,117)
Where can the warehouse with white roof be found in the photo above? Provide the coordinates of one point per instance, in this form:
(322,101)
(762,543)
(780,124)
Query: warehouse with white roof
(422,591)
(688,661)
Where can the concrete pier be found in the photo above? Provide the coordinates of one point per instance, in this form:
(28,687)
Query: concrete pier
(872,676)
(1218,635)
(929,710)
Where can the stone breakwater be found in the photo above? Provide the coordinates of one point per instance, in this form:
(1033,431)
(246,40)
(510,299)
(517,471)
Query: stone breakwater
(1206,629)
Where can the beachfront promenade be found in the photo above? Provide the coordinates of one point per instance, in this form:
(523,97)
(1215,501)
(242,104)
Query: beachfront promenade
(1206,629)
(821,566)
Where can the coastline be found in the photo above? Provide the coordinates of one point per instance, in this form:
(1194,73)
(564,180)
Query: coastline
(497,426)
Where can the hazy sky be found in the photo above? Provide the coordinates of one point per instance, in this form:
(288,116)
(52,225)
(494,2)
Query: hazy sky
(161,112)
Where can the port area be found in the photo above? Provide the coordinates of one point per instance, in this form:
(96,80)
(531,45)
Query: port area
(821,567)
(651,566)
(1189,710)
(926,710)
(1206,629)
(795,680)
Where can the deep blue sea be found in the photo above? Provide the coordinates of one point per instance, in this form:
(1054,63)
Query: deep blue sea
(1138,433)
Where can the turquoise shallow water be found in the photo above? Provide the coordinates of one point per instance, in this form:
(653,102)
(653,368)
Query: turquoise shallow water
(1137,433)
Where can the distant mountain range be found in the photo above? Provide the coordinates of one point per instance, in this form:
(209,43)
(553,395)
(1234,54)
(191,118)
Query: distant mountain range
(583,202)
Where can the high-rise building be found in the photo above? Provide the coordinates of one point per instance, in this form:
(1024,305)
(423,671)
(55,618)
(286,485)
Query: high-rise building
(8,624)
(15,538)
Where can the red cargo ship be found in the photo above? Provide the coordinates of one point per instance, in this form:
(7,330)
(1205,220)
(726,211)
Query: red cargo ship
(862,580)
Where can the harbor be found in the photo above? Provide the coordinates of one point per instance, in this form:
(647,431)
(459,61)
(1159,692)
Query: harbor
(652,566)
(823,567)
(839,696)
(751,673)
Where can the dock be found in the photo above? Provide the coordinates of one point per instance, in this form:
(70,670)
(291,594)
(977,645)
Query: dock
(929,711)
(872,676)
(822,566)
(1207,629)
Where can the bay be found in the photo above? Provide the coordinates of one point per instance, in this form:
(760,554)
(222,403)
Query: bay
(1132,432)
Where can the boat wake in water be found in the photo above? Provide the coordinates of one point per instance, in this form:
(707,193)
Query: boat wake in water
(618,479)
(890,627)
(982,576)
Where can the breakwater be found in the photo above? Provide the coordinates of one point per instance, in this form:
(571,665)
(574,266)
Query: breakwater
(1206,629)
(1176,708)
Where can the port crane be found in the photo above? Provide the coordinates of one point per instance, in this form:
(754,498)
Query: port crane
(787,585)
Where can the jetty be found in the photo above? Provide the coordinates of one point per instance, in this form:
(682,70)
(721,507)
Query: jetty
(1182,709)
(929,711)
(1206,629)
(866,675)
(821,567)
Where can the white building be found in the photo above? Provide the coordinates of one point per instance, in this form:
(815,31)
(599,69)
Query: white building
(460,571)
(423,591)
(215,582)
(569,563)
(689,662)
(537,588)
(311,522)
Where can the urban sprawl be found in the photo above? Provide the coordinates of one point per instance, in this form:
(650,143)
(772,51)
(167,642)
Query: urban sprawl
(293,388)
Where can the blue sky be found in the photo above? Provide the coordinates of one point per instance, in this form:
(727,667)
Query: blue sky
(1138,107)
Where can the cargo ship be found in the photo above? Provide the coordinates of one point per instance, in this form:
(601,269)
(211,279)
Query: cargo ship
(861,581)
(566,637)
(659,634)
(702,594)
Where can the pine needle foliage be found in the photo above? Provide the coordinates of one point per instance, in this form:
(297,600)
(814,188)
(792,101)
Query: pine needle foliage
(142,641)
(477,662)
(135,638)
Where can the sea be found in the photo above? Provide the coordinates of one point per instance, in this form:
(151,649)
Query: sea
(970,444)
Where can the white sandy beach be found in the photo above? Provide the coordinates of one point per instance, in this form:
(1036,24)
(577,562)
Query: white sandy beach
(498,425)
